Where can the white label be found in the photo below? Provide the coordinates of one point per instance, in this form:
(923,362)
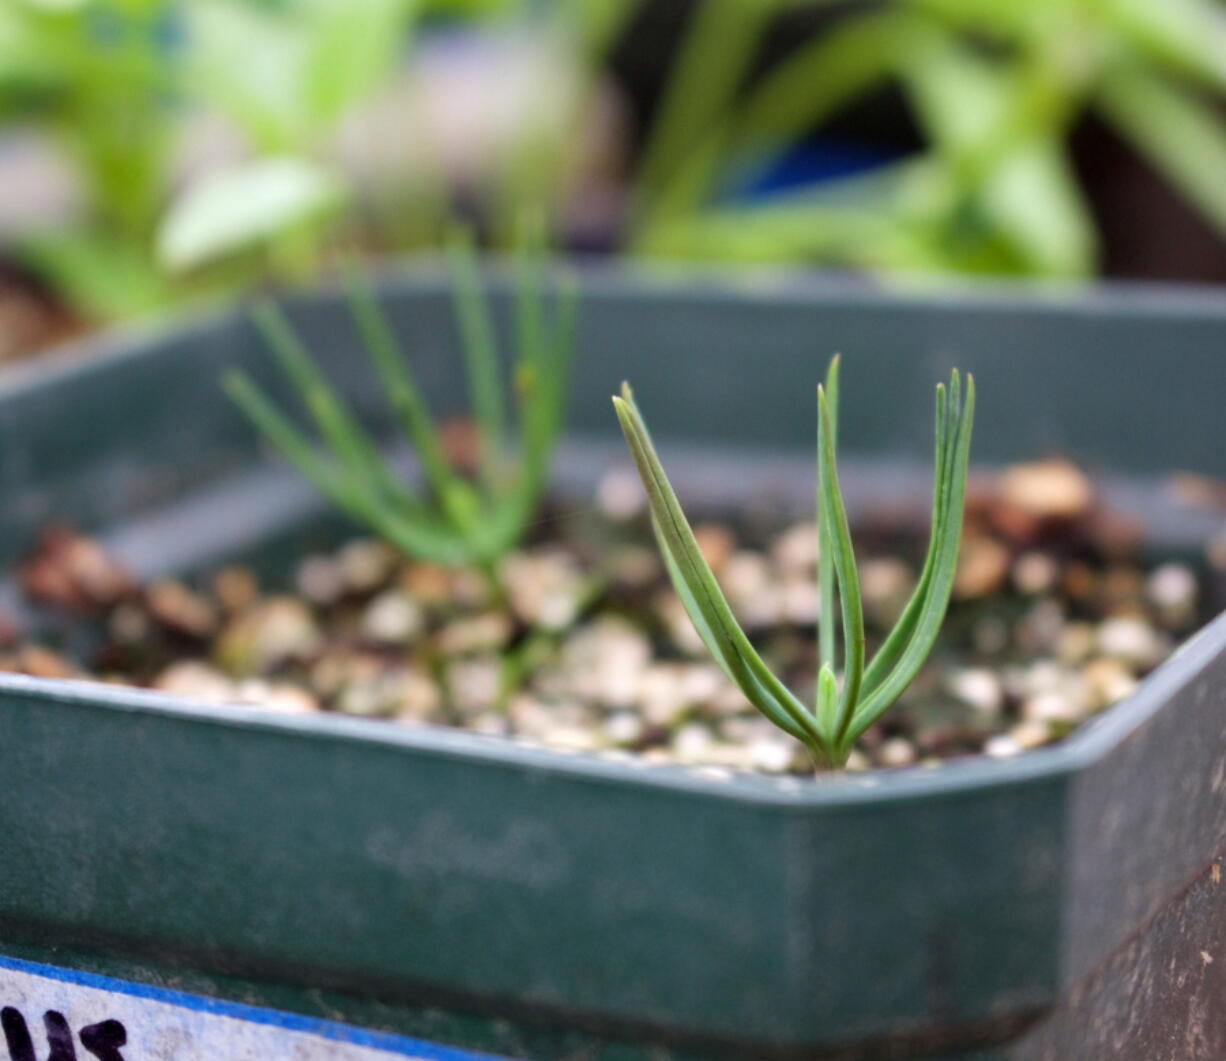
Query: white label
(52,1014)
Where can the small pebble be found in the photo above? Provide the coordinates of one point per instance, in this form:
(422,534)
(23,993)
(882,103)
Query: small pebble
(196,681)
(490,723)
(1076,642)
(774,756)
(235,589)
(1109,681)
(623,728)
(1035,573)
(129,624)
(377,692)
(71,571)
(546,587)
(365,565)
(572,738)
(716,543)
(392,618)
(484,632)
(635,566)
(897,751)
(693,743)
(1052,489)
(982,568)
(1056,706)
(1001,746)
(978,687)
(474,683)
(320,580)
(1172,589)
(800,601)
(1131,640)
(857,760)
(795,550)
(603,662)
(181,609)
(669,691)
(1031,734)
(681,632)
(885,585)
(619,495)
(428,584)
(281,697)
(273,632)
(40,662)
(751,591)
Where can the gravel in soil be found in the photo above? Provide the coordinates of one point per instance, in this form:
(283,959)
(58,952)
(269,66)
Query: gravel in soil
(1058,613)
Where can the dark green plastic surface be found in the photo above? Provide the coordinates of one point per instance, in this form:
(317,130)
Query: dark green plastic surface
(547,905)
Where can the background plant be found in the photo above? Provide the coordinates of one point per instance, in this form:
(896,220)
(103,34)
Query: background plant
(98,77)
(283,75)
(996,89)
(455,520)
(831,726)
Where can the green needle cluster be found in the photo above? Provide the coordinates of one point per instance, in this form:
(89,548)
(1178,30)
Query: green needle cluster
(457,519)
(839,716)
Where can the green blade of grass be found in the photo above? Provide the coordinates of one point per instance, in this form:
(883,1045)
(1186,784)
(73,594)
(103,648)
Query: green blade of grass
(529,303)
(545,389)
(339,430)
(845,569)
(728,642)
(825,552)
(827,703)
(892,648)
(937,600)
(480,348)
(761,698)
(291,443)
(342,490)
(543,397)
(718,46)
(400,386)
(1178,133)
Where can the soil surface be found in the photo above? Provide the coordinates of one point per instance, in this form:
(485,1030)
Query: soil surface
(31,317)
(1058,613)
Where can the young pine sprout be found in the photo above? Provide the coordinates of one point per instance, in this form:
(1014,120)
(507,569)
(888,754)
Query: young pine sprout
(830,728)
(457,520)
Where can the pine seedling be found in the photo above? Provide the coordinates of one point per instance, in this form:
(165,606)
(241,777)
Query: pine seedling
(457,519)
(841,711)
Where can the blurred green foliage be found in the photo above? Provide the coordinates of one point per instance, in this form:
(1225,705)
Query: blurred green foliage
(112,82)
(995,88)
(94,75)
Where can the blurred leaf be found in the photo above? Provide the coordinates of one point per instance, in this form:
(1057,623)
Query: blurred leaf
(248,63)
(239,208)
(1181,136)
(285,74)
(1188,36)
(715,53)
(351,50)
(1034,198)
(601,22)
(959,96)
(826,73)
(797,95)
(56,6)
(998,127)
(103,279)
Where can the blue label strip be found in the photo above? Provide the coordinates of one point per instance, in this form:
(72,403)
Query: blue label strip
(326,1029)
